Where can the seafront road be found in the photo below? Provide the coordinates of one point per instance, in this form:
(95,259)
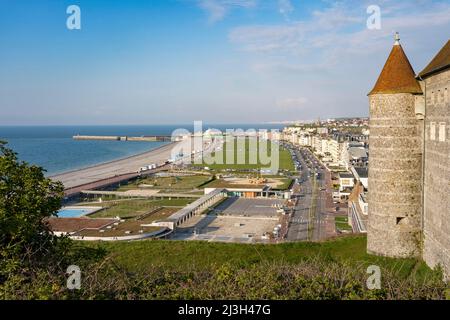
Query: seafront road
(313,219)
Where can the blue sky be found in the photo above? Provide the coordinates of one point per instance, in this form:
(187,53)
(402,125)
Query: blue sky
(220,61)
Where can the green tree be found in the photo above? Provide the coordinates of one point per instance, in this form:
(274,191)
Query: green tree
(27,200)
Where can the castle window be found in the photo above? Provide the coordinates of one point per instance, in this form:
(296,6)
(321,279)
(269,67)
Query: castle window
(432,131)
(442,131)
(401,220)
(446,95)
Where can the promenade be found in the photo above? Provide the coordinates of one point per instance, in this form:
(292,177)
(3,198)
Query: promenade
(108,170)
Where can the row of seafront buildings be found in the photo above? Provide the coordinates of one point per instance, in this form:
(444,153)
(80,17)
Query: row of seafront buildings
(339,150)
(346,155)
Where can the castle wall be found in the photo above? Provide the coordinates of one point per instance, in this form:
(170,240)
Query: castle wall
(437,172)
(395,180)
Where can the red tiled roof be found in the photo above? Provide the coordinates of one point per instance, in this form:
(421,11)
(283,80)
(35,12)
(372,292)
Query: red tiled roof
(397,75)
(440,62)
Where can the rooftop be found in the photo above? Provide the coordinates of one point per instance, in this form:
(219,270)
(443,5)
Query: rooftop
(440,62)
(357,152)
(76,224)
(362,172)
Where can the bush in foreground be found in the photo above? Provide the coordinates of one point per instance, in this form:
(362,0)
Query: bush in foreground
(27,199)
(309,279)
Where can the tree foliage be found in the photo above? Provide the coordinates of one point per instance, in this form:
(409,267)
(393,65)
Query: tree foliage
(27,199)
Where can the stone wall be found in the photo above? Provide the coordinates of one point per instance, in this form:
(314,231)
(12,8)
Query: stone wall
(437,172)
(395,179)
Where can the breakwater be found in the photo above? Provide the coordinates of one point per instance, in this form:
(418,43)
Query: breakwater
(123,138)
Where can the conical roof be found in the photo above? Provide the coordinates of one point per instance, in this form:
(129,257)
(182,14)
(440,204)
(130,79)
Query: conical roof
(397,75)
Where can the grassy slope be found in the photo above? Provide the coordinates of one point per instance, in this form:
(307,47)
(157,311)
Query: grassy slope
(192,254)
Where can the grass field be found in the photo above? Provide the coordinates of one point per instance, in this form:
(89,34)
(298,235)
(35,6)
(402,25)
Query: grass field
(285,160)
(192,254)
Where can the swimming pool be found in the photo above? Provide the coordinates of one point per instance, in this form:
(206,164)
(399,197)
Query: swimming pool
(75,212)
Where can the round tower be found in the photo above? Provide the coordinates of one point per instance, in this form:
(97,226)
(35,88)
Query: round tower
(395,161)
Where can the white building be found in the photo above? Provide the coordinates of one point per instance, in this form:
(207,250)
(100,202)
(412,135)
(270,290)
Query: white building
(305,140)
(322,130)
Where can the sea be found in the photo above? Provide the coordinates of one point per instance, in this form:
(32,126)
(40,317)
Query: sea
(54,149)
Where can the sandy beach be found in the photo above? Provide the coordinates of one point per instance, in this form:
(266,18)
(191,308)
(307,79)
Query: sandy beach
(113,168)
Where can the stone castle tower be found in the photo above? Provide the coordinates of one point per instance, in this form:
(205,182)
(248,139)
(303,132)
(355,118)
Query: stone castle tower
(395,161)
(435,81)
(409,167)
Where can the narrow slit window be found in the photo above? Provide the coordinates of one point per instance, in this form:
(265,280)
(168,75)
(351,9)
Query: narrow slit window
(442,131)
(432,131)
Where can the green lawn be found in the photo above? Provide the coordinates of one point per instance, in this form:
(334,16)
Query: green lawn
(285,160)
(195,254)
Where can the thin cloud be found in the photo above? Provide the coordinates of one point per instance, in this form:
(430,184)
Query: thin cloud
(269,38)
(285,8)
(332,54)
(292,103)
(337,31)
(218,9)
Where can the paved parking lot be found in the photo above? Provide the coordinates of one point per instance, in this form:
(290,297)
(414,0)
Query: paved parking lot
(236,220)
(249,207)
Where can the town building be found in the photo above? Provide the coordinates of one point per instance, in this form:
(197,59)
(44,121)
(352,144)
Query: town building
(346,183)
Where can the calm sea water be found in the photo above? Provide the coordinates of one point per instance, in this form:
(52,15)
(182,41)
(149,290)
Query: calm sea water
(53,148)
